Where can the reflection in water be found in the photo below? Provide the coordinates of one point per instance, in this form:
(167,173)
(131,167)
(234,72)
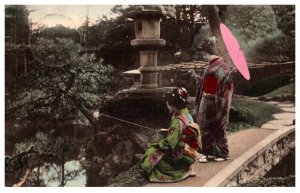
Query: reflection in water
(50,175)
(285,167)
(93,179)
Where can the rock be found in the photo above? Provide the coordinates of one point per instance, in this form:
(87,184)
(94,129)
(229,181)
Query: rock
(120,159)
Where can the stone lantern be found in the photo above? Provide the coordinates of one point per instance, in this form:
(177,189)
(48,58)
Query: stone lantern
(147,41)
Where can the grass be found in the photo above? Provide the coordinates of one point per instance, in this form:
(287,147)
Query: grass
(246,113)
(285,90)
(267,85)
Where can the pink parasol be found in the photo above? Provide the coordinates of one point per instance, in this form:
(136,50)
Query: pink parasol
(235,51)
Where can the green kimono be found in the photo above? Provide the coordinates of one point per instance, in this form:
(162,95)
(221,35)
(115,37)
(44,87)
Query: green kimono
(165,161)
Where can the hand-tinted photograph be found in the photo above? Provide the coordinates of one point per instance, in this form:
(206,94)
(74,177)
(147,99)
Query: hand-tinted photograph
(149,95)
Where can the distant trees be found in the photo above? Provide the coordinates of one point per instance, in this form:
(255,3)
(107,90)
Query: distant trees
(266,33)
(17,29)
(178,26)
(58,31)
(285,16)
(252,21)
(112,38)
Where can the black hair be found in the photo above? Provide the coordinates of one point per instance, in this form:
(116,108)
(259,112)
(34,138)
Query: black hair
(177,97)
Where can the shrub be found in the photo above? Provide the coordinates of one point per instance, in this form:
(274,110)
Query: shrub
(267,85)
(274,48)
(246,113)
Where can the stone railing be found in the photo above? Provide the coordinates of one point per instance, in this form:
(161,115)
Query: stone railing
(257,161)
(174,74)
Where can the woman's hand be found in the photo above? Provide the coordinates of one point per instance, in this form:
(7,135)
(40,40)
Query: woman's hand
(163,130)
(192,72)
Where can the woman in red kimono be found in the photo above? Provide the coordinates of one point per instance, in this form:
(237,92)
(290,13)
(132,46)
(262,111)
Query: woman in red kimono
(213,100)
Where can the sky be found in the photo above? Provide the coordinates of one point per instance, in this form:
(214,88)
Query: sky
(71,16)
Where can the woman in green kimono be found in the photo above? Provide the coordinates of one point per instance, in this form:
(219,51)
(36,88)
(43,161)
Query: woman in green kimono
(167,160)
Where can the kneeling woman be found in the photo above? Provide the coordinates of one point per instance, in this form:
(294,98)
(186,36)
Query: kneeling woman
(167,160)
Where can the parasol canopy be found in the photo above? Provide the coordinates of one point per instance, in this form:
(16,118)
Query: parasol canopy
(235,51)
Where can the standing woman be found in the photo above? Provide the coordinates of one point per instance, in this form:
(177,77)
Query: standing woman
(213,100)
(166,161)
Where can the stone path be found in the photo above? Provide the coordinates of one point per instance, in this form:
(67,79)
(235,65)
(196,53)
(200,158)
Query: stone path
(282,120)
(239,143)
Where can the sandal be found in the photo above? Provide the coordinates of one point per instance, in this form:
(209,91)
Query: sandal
(220,159)
(203,160)
(191,172)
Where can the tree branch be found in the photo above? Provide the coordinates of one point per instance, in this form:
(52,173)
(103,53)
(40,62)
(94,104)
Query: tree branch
(88,115)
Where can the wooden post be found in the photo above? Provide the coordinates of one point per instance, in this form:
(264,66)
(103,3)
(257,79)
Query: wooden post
(62,173)
(25,64)
(38,176)
(16,65)
(75,133)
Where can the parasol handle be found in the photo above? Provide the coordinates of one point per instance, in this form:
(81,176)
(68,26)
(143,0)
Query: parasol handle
(229,61)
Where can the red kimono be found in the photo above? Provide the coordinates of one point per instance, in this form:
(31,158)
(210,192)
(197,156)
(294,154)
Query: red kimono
(213,102)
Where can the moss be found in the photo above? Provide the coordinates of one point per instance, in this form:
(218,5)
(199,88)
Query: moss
(131,178)
(246,113)
(288,181)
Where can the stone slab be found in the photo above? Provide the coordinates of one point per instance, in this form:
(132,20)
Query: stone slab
(275,127)
(271,126)
(286,105)
(273,102)
(281,122)
(290,116)
(289,109)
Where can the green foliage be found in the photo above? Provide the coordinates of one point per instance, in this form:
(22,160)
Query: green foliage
(112,37)
(61,80)
(46,144)
(276,48)
(59,31)
(246,113)
(267,85)
(288,181)
(256,28)
(285,15)
(34,151)
(251,21)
